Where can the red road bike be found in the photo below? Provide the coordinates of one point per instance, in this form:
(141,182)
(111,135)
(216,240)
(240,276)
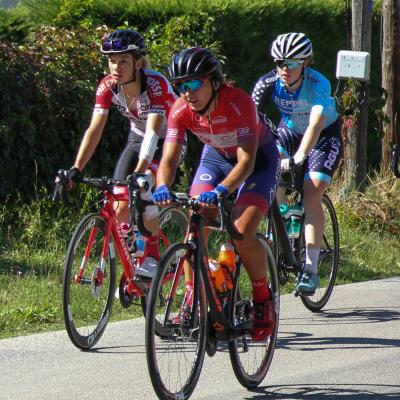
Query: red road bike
(90,270)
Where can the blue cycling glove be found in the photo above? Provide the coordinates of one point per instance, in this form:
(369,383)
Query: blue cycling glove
(162,194)
(211,198)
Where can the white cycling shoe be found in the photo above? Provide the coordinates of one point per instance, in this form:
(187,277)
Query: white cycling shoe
(148,268)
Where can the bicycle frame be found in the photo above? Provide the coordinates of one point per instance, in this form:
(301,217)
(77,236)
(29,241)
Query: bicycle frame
(286,253)
(135,287)
(220,322)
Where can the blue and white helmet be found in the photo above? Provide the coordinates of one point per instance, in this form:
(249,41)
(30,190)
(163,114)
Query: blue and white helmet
(291,45)
(122,41)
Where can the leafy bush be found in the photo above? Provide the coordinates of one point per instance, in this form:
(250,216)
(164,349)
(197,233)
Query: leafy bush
(15,24)
(48,84)
(48,95)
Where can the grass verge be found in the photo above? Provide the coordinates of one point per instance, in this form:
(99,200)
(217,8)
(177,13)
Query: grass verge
(31,258)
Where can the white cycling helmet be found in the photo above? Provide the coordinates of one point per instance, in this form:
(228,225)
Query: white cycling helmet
(291,45)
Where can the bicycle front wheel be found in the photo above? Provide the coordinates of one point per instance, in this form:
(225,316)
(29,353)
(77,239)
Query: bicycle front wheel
(328,258)
(251,360)
(175,327)
(173,226)
(88,283)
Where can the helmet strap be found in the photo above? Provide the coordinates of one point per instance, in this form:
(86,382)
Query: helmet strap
(296,81)
(204,110)
(131,80)
(213,94)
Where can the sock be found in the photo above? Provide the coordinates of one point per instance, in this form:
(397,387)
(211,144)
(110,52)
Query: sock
(312,256)
(125,228)
(189,292)
(152,246)
(260,290)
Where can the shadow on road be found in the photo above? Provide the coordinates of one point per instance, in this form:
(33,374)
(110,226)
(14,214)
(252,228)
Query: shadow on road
(347,316)
(309,342)
(324,392)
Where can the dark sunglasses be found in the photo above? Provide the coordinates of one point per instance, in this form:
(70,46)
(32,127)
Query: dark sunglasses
(291,64)
(192,85)
(114,45)
(117,45)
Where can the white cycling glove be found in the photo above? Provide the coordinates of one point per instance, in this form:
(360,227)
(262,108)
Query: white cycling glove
(298,160)
(285,164)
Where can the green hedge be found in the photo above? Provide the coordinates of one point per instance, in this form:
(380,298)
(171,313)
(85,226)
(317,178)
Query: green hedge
(49,81)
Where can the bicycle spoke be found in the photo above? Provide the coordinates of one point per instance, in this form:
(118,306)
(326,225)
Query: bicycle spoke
(175,346)
(88,283)
(251,360)
(328,259)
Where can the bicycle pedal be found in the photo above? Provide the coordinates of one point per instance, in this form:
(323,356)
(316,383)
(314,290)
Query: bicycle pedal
(305,294)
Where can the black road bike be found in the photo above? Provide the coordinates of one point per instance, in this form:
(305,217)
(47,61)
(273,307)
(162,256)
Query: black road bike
(289,253)
(189,329)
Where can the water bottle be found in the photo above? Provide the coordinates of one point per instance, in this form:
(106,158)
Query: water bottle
(284,210)
(140,243)
(226,260)
(296,213)
(218,276)
(128,235)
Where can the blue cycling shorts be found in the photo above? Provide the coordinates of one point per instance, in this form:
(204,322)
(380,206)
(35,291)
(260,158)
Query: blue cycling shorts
(258,189)
(323,160)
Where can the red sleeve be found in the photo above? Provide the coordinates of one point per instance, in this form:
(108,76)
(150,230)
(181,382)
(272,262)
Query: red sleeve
(177,122)
(104,96)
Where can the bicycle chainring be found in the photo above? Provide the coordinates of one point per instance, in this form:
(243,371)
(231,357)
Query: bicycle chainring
(125,299)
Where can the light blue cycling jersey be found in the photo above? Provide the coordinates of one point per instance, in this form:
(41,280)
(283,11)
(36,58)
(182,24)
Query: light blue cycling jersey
(313,95)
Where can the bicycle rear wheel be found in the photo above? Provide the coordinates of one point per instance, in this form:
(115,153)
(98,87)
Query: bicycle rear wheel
(251,360)
(175,327)
(328,259)
(87,298)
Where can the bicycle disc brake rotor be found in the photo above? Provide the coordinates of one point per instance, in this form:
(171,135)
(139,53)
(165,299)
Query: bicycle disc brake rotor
(97,282)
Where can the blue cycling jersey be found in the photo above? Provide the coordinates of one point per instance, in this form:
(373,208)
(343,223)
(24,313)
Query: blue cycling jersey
(312,96)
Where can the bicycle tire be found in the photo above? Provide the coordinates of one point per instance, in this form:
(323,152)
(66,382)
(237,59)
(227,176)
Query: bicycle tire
(272,238)
(173,226)
(87,305)
(328,263)
(251,361)
(174,352)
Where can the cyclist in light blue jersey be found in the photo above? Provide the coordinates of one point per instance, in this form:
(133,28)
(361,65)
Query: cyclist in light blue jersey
(309,131)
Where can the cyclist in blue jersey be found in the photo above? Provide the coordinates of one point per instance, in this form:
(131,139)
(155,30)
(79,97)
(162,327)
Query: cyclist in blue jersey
(308,131)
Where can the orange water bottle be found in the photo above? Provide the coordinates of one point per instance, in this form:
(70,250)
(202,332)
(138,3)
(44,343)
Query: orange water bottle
(226,259)
(218,275)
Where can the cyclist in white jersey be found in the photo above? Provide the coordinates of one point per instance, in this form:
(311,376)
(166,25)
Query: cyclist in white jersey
(144,97)
(309,131)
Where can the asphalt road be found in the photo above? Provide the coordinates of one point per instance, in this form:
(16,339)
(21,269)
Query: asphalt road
(349,351)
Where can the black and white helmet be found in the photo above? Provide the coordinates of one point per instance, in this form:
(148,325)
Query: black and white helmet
(291,45)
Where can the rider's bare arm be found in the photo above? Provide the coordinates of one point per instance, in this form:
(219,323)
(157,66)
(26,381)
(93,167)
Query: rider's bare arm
(90,140)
